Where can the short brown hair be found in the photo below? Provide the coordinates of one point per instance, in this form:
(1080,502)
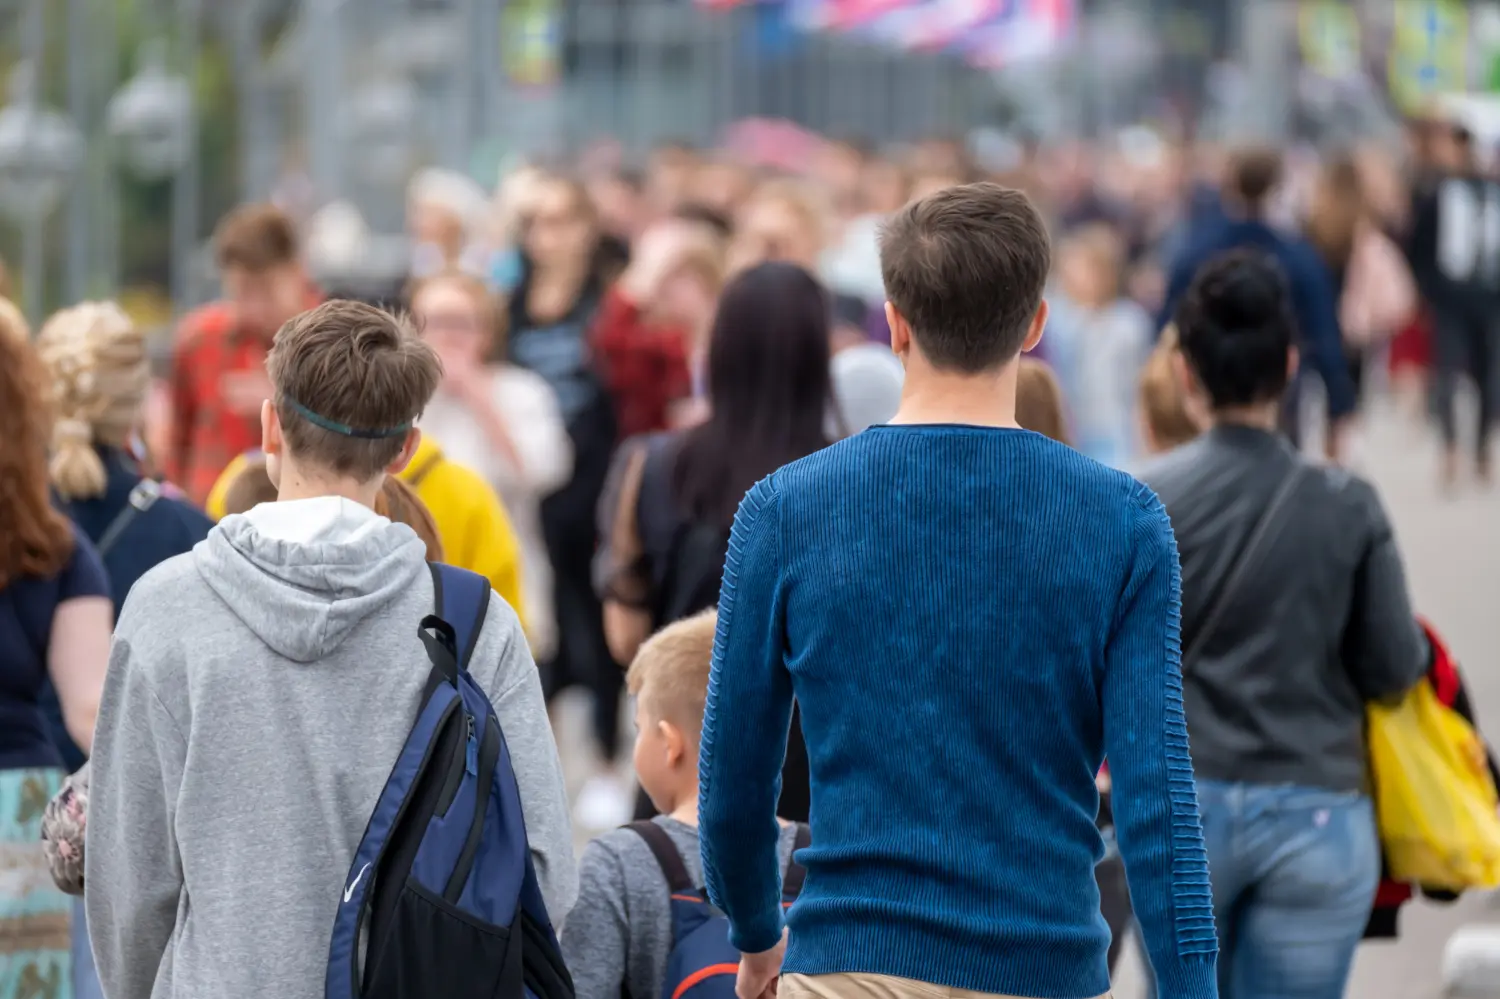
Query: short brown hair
(255,238)
(1164,404)
(348,378)
(670,672)
(966,267)
(1039,401)
(1254,172)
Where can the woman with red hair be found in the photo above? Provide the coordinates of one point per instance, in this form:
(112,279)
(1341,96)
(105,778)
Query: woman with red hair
(55,622)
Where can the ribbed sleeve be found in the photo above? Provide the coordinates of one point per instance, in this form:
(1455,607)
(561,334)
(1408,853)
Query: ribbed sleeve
(1145,736)
(745,727)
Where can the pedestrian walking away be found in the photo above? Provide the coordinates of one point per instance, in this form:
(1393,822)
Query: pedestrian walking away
(944,596)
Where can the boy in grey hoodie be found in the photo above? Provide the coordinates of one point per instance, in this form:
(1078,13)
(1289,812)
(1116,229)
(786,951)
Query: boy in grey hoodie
(261,686)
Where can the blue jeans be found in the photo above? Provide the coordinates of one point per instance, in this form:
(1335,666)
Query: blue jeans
(1294,873)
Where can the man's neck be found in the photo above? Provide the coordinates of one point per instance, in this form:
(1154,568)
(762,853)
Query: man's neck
(983,400)
(297,486)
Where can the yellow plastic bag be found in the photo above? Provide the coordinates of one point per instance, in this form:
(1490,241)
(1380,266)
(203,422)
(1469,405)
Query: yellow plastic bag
(1435,801)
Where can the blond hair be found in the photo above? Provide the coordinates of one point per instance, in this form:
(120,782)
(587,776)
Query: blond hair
(670,672)
(1169,420)
(100,373)
(1039,401)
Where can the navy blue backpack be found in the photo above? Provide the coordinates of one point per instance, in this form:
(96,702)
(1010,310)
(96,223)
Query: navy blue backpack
(441,899)
(703,963)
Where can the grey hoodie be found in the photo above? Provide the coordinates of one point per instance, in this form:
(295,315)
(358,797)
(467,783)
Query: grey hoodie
(260,688)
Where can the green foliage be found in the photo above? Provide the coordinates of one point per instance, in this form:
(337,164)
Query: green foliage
(144,207)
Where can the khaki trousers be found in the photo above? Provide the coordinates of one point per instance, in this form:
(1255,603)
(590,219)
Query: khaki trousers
(858,985)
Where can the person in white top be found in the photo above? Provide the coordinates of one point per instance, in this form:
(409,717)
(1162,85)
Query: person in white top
(501,420)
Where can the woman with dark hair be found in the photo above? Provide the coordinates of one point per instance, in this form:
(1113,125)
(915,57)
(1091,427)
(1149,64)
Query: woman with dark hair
(547,330)
(1294,616)
(673,497)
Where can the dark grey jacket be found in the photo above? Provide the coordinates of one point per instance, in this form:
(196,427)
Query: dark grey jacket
(1319,625)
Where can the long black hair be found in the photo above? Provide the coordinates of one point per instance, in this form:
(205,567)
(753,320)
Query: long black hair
(769,387)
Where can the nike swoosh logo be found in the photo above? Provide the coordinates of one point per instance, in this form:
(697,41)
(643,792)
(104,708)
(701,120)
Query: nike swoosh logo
(349,892)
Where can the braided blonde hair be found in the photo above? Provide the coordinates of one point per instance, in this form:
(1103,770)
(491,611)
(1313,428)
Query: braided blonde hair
(100,374)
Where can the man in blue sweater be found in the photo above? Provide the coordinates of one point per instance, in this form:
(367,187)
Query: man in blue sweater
(1253,176)
(971,617)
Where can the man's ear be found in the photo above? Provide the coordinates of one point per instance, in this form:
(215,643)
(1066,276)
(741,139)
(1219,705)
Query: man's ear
(408,448)
(270,428)
(900,332)
(1293,362)
(1037,328)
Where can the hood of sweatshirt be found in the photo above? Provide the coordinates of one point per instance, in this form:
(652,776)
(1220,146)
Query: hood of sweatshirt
(303,574)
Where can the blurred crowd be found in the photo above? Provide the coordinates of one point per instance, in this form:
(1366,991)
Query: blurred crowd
(587,317)
(627,348)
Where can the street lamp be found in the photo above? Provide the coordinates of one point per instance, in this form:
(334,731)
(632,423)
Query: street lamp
(382,116)
(40,150)
(150,118)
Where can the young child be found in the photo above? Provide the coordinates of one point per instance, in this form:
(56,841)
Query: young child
(620,931)
(262,686)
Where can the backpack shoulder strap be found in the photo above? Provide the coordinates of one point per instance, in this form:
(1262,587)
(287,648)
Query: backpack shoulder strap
(796,874)
(460,601)
(142,498)
(665,851)
(462,598)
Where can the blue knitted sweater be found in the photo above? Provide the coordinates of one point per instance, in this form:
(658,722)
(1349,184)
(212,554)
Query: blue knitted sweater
(971,620)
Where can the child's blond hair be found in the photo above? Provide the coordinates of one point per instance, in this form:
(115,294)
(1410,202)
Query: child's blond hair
(1039,401)
(670,672)
(100,372)
(1164,402)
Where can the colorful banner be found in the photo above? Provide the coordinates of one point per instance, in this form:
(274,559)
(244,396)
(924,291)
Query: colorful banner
(988,33)
(531,42)
(933,25)
(1429,51)
(1023,31)
(1328,31)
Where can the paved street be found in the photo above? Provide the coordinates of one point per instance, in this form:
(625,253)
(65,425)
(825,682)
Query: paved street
(1452,550)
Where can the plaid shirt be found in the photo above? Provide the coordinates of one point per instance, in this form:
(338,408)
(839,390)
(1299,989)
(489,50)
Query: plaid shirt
(205,433)
(645,367)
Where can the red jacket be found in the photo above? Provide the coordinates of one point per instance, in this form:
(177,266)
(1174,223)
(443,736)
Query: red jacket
(644,366)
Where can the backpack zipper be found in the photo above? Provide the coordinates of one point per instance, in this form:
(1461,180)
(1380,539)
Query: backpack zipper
(485,755)
(471,749)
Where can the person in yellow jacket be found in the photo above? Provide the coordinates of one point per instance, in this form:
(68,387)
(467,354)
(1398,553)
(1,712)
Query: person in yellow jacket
(471,521)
